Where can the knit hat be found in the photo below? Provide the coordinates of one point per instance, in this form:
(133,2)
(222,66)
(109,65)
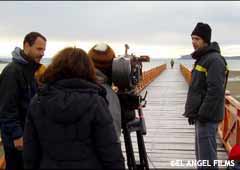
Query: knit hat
(102,56)
(204,31)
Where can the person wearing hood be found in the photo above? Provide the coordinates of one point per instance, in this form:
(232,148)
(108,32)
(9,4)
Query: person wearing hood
(17,87)
(205,99)
(102,55)
(69,125)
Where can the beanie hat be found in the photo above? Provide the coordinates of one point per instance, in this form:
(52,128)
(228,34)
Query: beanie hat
(102,56)
(204,31)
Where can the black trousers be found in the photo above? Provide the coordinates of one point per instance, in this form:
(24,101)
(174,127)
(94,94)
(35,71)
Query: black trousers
(14,158)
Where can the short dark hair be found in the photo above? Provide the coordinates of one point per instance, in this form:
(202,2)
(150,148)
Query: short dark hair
(31,37)
(70,63)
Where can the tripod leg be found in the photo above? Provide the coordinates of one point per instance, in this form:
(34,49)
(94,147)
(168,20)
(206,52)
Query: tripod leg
(129,150)
(142,152)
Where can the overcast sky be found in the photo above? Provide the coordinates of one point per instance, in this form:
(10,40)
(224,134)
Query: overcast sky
(161,29)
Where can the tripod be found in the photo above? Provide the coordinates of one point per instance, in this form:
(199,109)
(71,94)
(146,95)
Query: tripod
(130,103)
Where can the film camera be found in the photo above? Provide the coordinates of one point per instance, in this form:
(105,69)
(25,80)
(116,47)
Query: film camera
(126,74)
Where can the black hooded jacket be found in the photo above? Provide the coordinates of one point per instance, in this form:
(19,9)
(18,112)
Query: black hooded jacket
(69,126)
(205,99)
(17,87)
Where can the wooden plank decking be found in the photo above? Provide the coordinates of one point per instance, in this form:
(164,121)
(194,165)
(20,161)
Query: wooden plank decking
(169,137)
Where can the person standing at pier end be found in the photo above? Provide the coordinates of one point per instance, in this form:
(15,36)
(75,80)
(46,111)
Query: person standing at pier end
(172,63)
(17,87)
(205,99)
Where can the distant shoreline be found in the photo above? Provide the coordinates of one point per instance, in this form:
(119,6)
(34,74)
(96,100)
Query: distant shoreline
(189,57)
(3,62)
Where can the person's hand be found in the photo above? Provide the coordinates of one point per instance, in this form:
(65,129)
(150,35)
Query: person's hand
(115,88)
(18,143)
(191,121)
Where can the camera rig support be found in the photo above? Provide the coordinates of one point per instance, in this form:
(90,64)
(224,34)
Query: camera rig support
(126,74)
(129,104)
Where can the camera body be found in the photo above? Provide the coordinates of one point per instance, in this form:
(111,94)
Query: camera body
(127,71)
(126,74)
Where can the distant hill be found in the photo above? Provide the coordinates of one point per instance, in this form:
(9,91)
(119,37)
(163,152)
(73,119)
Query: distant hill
(8,60)
(227,57)
(186,57)
(5,60)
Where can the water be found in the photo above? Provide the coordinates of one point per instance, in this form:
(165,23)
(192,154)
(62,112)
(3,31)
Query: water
(154,63)
(2,66)
(44,61)
(233,84)
(233,64)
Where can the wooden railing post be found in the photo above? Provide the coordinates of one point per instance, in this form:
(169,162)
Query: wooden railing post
(225,122)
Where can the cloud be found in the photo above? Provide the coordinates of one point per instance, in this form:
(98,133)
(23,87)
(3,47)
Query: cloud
(159,23)
(118,21)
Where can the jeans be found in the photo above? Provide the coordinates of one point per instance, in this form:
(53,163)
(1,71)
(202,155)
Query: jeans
(205,143)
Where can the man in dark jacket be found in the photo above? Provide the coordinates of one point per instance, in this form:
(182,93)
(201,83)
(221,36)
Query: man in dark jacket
(205,100)
(17,87)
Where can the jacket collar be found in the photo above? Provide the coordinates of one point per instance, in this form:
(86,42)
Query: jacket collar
(102,78)
(20,57)
(213,47)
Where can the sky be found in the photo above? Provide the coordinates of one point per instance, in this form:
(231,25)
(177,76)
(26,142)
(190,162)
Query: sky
(160,29)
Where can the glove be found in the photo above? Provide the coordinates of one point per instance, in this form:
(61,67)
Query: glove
(191,120)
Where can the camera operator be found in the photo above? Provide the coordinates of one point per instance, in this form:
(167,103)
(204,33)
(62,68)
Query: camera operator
(102,56)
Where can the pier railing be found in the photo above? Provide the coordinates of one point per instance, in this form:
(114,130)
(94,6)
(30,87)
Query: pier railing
(149,76)
(229,128)
(186,73)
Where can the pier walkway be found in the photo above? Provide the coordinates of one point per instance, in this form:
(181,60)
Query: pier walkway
(169,137)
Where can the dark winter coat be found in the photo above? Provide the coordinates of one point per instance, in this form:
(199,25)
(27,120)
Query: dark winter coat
(17,87)
(205,99)
(113,101)
(69,126)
